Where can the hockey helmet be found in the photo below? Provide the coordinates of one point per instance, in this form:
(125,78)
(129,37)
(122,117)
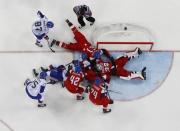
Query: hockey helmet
(78,69)
(97,81)
(61,67)
(43,75)
(50,24)
(84,56)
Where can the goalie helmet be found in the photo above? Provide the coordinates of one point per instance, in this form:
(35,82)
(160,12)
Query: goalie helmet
(50,24)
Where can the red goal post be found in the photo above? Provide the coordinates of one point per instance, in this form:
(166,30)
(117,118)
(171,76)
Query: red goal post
(123,37)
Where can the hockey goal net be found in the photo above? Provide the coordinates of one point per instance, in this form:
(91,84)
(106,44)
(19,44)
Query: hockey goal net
(123,37)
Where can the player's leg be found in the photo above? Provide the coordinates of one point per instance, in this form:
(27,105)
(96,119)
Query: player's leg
(121,61)
(129,75)
(80,92)
(39,38)
(78,36)
(91,20)
(105,103)
(70,46)
(81,21)
(40,97)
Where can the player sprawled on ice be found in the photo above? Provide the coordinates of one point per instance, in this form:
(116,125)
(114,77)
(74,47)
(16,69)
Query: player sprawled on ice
(35,88)
(73,80)
(83,11)
(81,45)
(55,74)
(106,69)
(41,27)
(99,95)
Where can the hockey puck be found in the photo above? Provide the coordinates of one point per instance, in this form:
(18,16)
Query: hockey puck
(125,28)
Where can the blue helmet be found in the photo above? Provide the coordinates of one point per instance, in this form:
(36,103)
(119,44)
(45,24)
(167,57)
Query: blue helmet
(50,24)
(97,81)
(97,54)
(77,69)
(43,75)
(84,56)
(61,67)
(76,62)
(77,66)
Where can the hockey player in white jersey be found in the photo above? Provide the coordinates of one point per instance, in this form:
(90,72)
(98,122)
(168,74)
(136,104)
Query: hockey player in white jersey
(35,88)
(41,27)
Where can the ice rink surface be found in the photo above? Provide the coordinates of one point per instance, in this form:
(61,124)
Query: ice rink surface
(157,111)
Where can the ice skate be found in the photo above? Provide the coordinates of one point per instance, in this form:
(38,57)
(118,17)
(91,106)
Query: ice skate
(87,89)
(134,53)
(106,110)
(78,97)
(35,73)
(41,105)
(139,75)
(38,44)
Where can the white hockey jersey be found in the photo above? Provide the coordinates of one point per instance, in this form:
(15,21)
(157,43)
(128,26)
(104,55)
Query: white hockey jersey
(40,27)
(34,87)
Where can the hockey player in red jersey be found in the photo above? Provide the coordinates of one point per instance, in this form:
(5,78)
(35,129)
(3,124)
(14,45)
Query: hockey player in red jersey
(73,80)
(81,44)
(99,95)
(107,68)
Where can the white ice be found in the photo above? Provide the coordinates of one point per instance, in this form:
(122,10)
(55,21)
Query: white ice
(158,111)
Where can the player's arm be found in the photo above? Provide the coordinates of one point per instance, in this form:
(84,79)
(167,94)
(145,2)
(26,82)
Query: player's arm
(88,12)
(77,11)
(40,14)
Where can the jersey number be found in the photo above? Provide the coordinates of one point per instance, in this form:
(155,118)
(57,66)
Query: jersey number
(38,24)
(35,83)
(94,93)
(106,67)
(74,80)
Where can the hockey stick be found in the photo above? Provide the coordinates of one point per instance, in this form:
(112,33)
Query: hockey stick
(68,64)
(50,46)
(117,92)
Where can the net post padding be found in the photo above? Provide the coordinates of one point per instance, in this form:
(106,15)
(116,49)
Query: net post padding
(115,37)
